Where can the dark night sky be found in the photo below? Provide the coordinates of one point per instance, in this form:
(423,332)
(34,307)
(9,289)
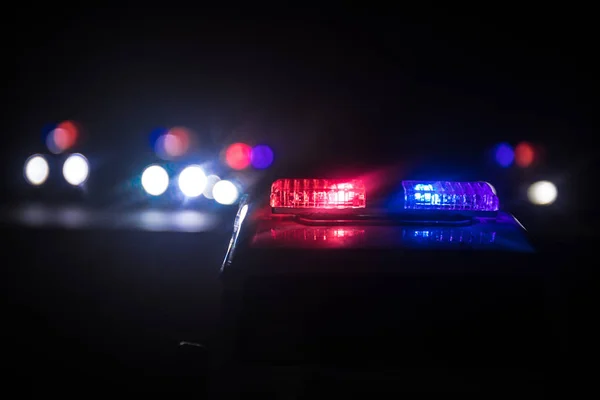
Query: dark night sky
(350,89)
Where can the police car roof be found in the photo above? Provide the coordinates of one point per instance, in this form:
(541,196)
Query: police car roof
(309,215)
(501,233)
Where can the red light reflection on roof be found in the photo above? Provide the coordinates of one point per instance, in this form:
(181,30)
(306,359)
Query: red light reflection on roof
(310,237)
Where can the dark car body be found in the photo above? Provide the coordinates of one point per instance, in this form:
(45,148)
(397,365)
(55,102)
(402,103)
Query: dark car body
(384,302)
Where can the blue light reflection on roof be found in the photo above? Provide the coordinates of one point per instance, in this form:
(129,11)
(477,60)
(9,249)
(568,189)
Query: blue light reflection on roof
(450,236)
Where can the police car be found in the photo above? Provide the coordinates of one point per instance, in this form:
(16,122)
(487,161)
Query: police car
(437,290)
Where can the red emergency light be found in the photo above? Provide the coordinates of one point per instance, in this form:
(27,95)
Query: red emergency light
(317,194)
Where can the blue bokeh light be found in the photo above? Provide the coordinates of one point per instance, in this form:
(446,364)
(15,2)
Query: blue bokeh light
(155,135)
(505,155)
(47,130)
(261,156)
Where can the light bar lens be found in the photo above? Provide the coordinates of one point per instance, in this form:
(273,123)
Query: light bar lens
(318,193)
(436,195)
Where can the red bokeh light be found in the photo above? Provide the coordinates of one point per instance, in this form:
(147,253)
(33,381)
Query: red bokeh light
(175,143)
(238,156)
(181,143)
(524,154)
(65,135)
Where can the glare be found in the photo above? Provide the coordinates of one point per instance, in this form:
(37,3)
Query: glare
(76,169)
(155,180)
(243,212)
(542,193)
(225,192)
(172,221)
(189,220)
(492,188)
(36,170)
(192,181)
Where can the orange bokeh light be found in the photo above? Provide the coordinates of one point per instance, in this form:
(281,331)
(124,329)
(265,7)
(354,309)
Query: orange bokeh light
(238,156)
(524,154)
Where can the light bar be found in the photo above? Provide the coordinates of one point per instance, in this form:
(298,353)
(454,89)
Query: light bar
(318,193)
(459,196)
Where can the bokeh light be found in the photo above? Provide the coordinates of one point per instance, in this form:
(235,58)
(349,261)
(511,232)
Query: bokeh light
(238,156)
(524,154)
(225,192)
(76,169)
(173,146)
(177,142)
(69,134)
(160,148)
(156,134)
(261,156)
(211,181)
(36,170)
(192,181)
(172,143)
(504,155)
(542,193)
(62,137)
(155,180)
(51,142)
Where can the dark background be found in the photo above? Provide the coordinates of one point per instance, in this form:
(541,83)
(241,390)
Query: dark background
(329,90)
(432,93)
